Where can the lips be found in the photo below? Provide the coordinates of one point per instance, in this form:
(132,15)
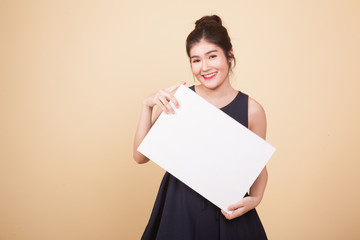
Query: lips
(209,76)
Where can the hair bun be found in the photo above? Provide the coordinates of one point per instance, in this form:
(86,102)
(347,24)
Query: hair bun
(213,19)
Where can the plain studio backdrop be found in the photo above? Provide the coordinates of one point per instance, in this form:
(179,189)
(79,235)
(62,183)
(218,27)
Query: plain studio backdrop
(73,75)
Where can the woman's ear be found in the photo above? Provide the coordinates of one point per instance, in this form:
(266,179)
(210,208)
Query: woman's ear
(231,55)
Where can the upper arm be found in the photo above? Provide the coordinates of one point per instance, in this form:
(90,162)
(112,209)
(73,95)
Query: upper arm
(257,118)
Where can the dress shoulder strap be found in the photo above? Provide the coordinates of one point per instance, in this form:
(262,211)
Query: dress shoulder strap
(237,109)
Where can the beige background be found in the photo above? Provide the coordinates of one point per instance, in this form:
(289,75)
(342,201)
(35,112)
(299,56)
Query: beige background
(72,78)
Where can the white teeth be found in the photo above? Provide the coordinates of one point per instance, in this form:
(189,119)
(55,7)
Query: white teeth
(209,75)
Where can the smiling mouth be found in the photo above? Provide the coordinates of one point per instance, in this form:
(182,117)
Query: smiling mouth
(209,76)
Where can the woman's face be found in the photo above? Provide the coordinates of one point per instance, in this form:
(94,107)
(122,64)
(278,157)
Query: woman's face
(209,64)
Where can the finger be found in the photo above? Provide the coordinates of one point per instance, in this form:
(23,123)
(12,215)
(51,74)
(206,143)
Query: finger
(174,87)
(237,205)
(226,215)
(170,97)
(161,105)
(238,212)
(166,104)
(161,101)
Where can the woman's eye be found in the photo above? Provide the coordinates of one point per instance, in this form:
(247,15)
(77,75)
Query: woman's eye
(213,56)
(196,60)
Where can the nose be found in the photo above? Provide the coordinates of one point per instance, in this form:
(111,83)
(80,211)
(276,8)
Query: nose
(205,66)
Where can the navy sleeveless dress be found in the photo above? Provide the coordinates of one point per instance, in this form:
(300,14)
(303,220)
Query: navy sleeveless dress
(180,213)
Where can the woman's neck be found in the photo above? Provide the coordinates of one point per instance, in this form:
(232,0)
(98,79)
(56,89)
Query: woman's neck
(218,96)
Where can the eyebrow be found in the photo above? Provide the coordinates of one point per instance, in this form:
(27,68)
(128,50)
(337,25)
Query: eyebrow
(205,53)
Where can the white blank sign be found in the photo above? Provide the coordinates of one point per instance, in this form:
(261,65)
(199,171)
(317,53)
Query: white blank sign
(206,149)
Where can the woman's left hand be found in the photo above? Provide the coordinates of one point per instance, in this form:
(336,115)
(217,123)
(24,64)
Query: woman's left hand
(241,207)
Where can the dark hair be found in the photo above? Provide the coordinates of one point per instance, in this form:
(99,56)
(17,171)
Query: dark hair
(210,28)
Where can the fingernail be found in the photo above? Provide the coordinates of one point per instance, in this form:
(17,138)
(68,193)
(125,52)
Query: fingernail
(184,83)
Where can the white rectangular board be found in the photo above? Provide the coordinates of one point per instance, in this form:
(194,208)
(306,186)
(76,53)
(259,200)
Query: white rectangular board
(206,149)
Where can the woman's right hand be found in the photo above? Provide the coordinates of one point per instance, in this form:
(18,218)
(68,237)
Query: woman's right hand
(163,97)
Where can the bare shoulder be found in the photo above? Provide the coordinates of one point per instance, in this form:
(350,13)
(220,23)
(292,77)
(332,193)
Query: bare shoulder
(255,109)
(257,118)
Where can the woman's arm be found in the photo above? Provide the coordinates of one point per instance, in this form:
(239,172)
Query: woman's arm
(143,128)
(162,99)
(257,124)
